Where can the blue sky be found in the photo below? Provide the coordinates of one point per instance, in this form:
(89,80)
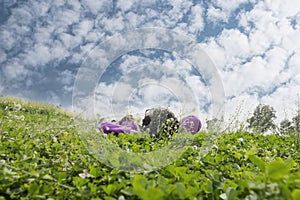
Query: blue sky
(255,46)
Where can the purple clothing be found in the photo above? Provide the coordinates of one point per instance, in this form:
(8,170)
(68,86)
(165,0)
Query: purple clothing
(128,125)
(129,122)
(108,128)
(191,124)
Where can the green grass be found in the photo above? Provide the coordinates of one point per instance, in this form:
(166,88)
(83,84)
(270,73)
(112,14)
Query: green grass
(42,157)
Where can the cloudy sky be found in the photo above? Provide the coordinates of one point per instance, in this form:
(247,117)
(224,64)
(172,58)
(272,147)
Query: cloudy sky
(254,45)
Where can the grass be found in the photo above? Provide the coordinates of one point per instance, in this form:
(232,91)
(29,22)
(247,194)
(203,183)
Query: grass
(42,157)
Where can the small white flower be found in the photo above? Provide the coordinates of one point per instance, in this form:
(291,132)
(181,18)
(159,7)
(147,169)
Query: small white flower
(84,174)
(121,197)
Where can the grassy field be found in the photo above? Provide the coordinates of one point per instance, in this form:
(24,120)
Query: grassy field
(42,157)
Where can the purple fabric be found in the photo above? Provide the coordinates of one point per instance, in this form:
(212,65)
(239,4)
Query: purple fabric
(191,124)
(129,122)
(126,125)
(108,127)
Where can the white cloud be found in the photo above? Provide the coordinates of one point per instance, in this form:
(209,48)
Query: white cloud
(229,5)
(239,109)
(276,59)
(76,4)
(69,41)
(129,63)
(43,34)
(67,77)
(134,19)
(63,17)
(283,8)
(83,27)
(291,41)
(235,45)
(85,50)
(220,10)
(265,28)
(122,91)
(216,15)
(97,6)
(196,23)
(38,56)
(181,5)
(125,5)
(103,101)
(284,101)
(176,14)
(95,36)
(258,60)
(85,107)
(3,56)
(114,24)
(14,71)
(7,40)
(67,89)
(150,82)
(20,16)
(252,74)
(216,53)
(261,64)
(58,3)
(58,51)
(294,68)
(148,14)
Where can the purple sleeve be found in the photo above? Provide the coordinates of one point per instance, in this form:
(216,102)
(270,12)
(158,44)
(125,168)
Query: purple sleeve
(191,124)
(108,128)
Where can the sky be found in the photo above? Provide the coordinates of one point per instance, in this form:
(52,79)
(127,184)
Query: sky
(254,46)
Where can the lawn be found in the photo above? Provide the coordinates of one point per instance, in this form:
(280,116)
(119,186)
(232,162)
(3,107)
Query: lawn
(43,157)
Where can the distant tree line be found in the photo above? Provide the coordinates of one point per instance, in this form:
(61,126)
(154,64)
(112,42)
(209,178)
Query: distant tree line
(262,120)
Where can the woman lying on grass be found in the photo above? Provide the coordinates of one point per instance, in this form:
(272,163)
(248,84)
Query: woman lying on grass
(156,121)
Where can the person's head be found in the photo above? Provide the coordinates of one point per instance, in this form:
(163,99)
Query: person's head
(159,120)
(129,121)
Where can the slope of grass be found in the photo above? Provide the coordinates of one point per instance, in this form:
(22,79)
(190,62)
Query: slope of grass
(42,157)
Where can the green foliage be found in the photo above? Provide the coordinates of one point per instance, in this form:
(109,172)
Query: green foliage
(262,119)
(296,122)
(213,124)
(42,157)
(286,127)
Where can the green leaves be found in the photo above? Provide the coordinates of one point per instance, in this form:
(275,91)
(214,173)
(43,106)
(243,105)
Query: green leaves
(274,170)
(79,182)
(258,162)
(41,157)
(139,184)
(110,189)
(296,194)
(144,189)
(277,169)
(230,194)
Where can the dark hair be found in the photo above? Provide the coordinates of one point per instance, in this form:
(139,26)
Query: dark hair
(158,121)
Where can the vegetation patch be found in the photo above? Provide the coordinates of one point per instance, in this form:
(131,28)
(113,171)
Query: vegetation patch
(42,157)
